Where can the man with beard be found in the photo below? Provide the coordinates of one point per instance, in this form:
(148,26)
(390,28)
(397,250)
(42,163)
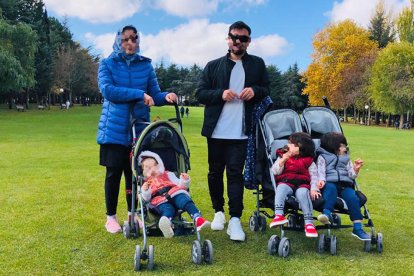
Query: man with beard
(229,88)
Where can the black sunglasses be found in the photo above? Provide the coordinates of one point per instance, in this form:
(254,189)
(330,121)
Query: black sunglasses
(241,38)
(132,38)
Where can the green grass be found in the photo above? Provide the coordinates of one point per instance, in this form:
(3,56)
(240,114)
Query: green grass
(53,210)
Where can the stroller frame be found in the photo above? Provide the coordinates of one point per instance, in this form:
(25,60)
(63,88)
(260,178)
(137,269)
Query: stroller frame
(200,250)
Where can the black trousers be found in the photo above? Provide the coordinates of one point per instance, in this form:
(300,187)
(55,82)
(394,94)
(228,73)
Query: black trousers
(229,155)
(116,160)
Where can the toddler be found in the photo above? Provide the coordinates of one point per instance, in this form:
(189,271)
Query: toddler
(296,173)
(167,192)
(336,175)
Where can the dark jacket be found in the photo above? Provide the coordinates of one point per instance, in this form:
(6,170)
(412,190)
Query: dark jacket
(216,78)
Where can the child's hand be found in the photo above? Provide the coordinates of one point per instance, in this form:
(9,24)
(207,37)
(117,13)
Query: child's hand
(146,186)
(358,163)
(184,176)
(315,194)
(320,184)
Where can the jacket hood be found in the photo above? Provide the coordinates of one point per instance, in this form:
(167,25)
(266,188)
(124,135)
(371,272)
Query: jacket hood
(117,47)
(148,153)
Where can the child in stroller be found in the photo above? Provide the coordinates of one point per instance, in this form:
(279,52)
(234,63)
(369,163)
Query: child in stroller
(336,175)
(167,193)
(296,173)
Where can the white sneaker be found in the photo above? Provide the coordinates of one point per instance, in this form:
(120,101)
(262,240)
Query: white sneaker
(235,230)
(165,226)
(218,222)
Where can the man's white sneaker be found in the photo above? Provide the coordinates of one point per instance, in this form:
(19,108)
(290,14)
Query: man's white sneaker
(218,222)
(235,230)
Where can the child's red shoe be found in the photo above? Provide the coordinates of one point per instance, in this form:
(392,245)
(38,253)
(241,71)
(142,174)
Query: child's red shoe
(278,220)
(201,223)
(310,231)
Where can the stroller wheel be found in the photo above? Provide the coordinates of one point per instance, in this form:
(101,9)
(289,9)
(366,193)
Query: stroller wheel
(126,230)
(284,247)
(273,245)
(262,223)
(196,252)
(379,243)
(254,223)
(150,264)
(332,248)
(208,251)
(137,258)
(292,221)
(367,246)
(321,243)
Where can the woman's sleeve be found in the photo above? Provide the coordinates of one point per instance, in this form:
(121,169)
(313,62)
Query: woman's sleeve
(154,89)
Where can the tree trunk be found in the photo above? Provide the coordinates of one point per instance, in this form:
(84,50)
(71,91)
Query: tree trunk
(377,118)
(401,120)
(389,120)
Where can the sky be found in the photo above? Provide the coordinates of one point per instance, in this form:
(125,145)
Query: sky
(187,32)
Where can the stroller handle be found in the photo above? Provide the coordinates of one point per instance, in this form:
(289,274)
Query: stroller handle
(177,118)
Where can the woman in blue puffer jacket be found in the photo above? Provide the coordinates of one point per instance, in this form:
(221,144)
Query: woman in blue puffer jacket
(129,86)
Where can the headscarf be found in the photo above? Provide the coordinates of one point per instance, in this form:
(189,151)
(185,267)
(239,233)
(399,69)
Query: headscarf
(119,51)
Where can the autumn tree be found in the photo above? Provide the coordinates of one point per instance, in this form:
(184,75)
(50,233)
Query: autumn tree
(405,24)
(392,81)
(337,50)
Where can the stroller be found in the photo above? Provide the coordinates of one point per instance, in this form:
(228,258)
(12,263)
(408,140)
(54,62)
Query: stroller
(275,128)
(165,139)
(318,121)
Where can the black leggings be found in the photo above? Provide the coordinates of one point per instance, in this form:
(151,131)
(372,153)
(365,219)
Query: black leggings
(112,183)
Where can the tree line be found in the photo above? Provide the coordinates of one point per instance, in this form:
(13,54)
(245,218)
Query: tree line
(364,72)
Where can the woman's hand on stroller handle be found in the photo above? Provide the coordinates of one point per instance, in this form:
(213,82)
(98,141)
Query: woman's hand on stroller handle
(171,98)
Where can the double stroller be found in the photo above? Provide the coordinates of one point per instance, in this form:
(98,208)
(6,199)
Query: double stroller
(165,138)
(275,128)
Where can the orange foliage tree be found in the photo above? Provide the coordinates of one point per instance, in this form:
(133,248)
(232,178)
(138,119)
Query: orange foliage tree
(338,51)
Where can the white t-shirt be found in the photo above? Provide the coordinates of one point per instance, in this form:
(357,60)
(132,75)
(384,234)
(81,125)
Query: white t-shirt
(230,124)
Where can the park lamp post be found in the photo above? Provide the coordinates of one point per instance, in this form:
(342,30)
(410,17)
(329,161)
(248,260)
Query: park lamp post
(366,112)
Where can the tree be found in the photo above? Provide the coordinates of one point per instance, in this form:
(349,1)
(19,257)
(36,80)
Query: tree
(405,24)
(392,81)
(276,86)
(293,88)
(381,27)
(337,48)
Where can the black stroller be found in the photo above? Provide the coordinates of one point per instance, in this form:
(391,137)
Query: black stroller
(275,128)
(165,139)
(318,121)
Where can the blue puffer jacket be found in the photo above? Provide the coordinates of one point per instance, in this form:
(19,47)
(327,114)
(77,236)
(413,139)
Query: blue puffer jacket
(123,80)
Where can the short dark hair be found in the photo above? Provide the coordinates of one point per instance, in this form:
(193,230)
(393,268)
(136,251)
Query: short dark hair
(305,143)
(240,25)
(331,141)
(129,27)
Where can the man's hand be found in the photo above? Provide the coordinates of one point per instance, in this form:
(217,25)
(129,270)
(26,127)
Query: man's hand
(148,100)
(246,94)
(229,95)
(171,97)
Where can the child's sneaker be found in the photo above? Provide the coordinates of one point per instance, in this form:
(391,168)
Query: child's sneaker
(278,220)
(310,231)
(360,234)
(165,226)
(112,225)
(201,223)
(325,219)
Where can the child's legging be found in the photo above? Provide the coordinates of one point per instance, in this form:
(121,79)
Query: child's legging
(331,191)
(302,196)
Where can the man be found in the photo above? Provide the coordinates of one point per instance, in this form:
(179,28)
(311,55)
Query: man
(229,88)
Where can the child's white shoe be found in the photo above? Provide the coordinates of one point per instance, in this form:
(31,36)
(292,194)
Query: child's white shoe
(165,226)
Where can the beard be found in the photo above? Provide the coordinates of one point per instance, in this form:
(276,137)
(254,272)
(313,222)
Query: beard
(238,52)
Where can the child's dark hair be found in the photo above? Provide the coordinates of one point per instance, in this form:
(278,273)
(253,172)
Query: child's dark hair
(331,141)
(304,142)
(240,25)
(129,27)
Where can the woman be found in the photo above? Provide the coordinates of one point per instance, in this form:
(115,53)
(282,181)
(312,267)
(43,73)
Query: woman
(129,86)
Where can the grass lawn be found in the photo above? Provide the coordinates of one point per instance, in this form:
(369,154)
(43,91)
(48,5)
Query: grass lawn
(53,210)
